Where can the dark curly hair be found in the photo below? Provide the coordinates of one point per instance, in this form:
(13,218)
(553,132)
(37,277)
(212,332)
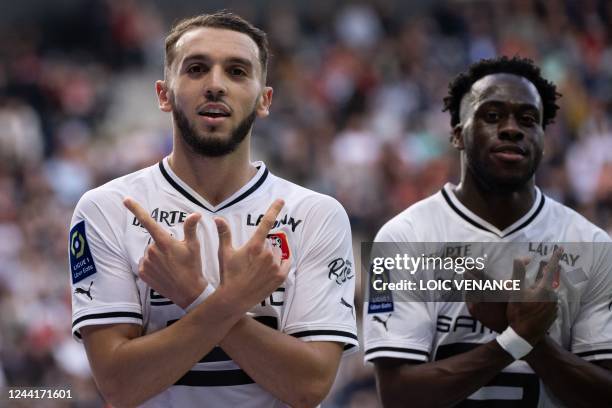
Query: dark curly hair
(524,67)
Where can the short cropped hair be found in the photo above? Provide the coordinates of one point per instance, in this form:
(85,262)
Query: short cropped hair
(223,20)
(523,67)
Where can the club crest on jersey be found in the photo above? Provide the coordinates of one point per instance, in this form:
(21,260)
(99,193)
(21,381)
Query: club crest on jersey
(279,240)
(81,262)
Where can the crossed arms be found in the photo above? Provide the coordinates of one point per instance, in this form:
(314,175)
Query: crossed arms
(126,364)
(446,382)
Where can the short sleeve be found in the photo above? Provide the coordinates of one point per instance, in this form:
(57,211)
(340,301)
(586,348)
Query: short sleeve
(592,329)
(321,300)
(406,332)
(103,287)
(399,329)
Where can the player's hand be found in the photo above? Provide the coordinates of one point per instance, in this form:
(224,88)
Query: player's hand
(253,271)
(491,314)
(534,309)
(172,267)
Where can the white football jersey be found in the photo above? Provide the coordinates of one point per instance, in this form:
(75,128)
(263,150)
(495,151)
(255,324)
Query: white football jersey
(314,304)
(430,331)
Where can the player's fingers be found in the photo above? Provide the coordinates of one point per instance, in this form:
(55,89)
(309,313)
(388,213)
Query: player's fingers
(267,222)
(277,253)
(477,274)
(225,235)
(470,295)
(191,228)
(159,235)
(551,270)
(519,271)
(285,265)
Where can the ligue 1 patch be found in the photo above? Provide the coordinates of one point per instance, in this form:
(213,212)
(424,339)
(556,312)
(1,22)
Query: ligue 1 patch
(379,301)
(380,307)
(279,240)
(81,262)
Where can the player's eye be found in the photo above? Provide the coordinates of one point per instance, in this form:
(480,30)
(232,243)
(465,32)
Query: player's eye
(528,119)
(195,69)
(237,71)
(492,116)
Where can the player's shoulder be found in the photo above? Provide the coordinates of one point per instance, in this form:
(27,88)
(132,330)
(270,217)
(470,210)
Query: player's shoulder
(401,227)
(109,196)
(576,227)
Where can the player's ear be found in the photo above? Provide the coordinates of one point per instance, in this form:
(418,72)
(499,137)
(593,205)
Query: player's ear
(163,96)
(264,102)
(456,138)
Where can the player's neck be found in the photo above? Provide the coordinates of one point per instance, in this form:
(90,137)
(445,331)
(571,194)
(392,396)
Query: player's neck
(214,178)
(501,209)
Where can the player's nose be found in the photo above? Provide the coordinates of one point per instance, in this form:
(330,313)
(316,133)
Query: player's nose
(215,85)
(509,129)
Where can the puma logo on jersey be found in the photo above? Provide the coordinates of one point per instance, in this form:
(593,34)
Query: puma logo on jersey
(82,291)
(381,321)
(345,303)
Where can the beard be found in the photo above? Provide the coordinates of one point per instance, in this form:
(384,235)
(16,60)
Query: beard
(210,146)
(489,181)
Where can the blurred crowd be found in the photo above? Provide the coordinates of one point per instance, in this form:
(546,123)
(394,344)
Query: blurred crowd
(357,114)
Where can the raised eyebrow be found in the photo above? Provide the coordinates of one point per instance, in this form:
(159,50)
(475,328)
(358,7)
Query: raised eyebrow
(521,106)
(206,59)
(529,107)
(491,103)
(240,61)
(193,58)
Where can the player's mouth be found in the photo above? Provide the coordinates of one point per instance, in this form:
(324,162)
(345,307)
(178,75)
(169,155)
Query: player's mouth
(510,153)
(214,114)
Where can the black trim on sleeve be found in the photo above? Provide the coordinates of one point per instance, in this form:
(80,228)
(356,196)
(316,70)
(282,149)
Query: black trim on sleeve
(324,333)
(107,316)
(397,350)
(191,198)
(216,378)
(594,352)
(162,303)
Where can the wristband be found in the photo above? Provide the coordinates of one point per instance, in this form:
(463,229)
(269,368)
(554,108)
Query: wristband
(514,344)
(205,293)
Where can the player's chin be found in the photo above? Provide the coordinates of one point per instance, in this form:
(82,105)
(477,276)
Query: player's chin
(510,181)
(511,169)
(214,134)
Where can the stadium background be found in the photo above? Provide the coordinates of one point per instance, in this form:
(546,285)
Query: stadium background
(356,114)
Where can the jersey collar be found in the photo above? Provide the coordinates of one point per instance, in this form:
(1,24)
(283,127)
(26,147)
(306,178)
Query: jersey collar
(461,210)
(249,188)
